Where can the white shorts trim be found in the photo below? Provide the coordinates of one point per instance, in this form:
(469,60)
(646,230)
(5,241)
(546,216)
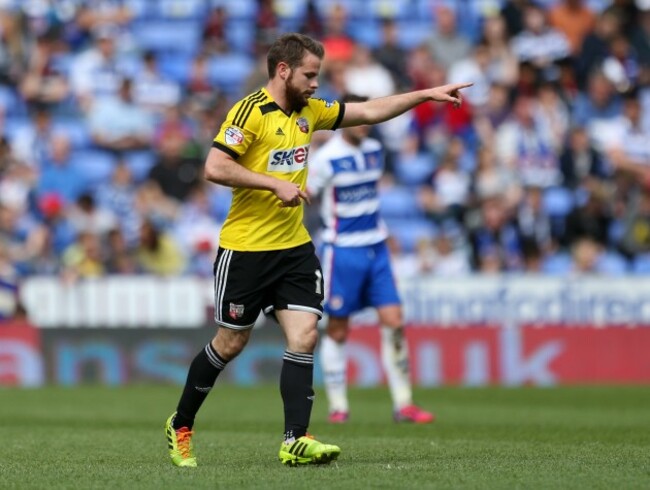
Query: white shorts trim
(233,327)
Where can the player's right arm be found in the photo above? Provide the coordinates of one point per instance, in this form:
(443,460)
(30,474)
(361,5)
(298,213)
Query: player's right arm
(221,168)
(237,133)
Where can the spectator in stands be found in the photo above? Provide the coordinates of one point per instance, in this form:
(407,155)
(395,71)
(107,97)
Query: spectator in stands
(153,205)
(513,14)
(339,46)
(493,114)
(157,252)
(585,253)
(502,66)
(16,179)
(538,43)
(621,66)
(493,179)
(86,216)
(83,259)
(198,84)
(32,143)
(175,172)
(591,218)
(119,258)
(214,31)
(475,67)
(448,196)
(97,72)
(595,46)
(629,147)
(58,175)
(552,115)
(446,44)
(53,214)
(266,25)
(43,82)
(153,91)
(391,55)
(21,237)
(533,223)
(449,258)
(495,242)
(14,47)
(641,37)
(575,20)
(119,197)
(523,145)
(312,24)
(581,165)
(118,124)
(597,108)
(364,67)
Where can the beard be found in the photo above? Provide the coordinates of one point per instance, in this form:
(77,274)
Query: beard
(295,98)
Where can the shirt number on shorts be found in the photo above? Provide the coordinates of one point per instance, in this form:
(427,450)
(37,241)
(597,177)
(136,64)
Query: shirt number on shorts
(319,282)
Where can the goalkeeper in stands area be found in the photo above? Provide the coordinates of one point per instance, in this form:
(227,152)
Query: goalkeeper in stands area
(266,260)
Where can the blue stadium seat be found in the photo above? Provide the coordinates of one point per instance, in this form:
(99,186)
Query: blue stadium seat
(220,200)
(140,162)
(399,203)
(237,9)
(366,32)
(641,264)
(240,35)
(175,66)
(612,264)
(229,71)
(558,264)
(416,170)
(75,129)
(412,34)
(182,9)
(180,36)
(558,201)
(409,232)
(95,164)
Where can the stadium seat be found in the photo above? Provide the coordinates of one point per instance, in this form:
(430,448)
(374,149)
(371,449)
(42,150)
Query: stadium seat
(239,9)
(412,34)
(416,170)
(175,66)
(612,264)
(240,35)
(76,130)
(95,164)
(558,201)
(229,71)
(558,264)
(179,36)
(409,232)
(140,162)
(398,203)
(182,9)
(641,264)
(366,32)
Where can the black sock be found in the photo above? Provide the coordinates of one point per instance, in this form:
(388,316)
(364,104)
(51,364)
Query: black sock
(296,380)
(203,372)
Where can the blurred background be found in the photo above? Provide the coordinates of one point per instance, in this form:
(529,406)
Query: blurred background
(520,223)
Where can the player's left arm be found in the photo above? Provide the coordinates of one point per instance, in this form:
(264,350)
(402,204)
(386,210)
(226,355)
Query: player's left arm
(382,109)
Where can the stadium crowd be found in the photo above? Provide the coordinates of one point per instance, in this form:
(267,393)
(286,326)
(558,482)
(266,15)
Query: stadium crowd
(108,108)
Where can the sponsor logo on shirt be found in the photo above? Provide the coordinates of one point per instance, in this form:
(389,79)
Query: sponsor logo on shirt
(234,136)
(287,161)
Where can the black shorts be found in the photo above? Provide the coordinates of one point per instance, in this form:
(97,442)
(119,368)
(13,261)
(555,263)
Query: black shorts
(246,283)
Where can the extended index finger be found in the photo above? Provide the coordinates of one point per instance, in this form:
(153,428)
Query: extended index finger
(458,86)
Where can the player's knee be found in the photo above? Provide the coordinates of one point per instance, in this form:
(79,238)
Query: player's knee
(338,334)
(391,318)
(230,345)
(305,341)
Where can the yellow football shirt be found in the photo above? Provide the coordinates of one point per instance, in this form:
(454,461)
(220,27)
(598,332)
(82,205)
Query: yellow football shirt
(263,138)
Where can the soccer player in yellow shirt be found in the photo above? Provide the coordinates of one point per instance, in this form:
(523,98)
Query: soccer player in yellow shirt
(266,260)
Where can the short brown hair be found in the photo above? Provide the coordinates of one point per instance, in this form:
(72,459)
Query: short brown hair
(291,48)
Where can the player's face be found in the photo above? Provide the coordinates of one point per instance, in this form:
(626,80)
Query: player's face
(303,82)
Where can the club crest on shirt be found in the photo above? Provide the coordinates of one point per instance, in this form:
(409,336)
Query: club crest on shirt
(303,124)
(236,311)
(233,136)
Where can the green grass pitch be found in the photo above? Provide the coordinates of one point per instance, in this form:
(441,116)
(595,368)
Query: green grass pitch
(96,437)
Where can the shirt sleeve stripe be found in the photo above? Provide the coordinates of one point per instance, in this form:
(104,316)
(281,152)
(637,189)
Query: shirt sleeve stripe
(340,116)
(240,121)
(225,149)
(244,102)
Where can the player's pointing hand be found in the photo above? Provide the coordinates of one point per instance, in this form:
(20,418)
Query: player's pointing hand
(449,93)
(289,194)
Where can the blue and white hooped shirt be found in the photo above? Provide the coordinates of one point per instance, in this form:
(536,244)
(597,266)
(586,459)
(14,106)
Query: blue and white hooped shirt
(347,177)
